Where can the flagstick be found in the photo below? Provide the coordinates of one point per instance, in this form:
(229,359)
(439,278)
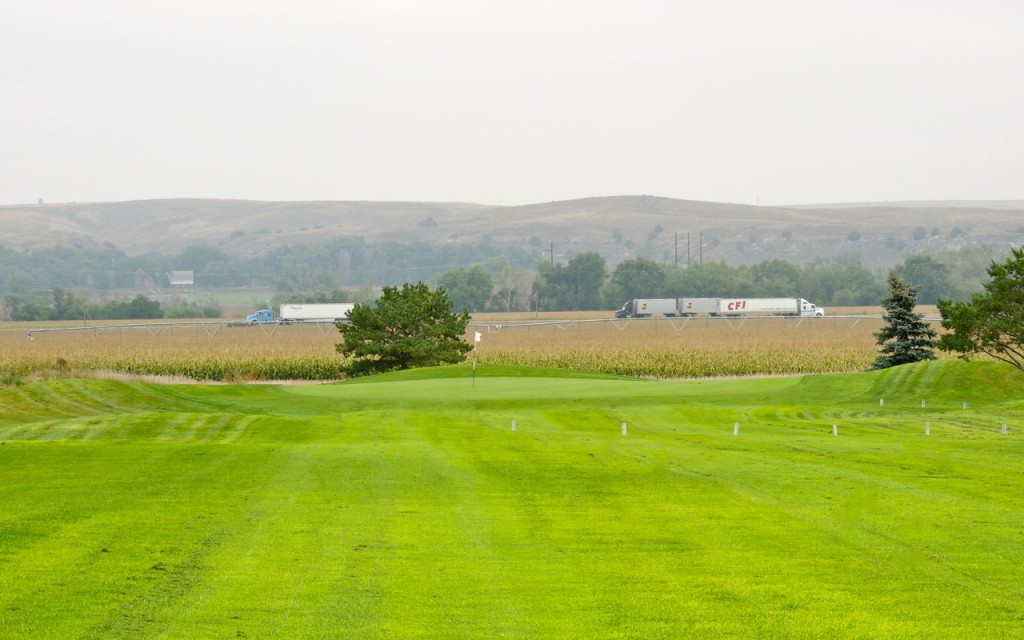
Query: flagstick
(476,341)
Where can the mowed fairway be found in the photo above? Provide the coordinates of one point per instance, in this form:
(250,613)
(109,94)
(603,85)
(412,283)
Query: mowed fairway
(406,507)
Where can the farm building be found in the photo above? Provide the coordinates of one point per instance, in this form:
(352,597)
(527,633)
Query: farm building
(183,279)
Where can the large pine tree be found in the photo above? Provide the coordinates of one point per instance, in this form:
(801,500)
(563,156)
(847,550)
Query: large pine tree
(906,337)
(407,328)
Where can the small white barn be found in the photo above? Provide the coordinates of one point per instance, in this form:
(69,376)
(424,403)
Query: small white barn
(183,279)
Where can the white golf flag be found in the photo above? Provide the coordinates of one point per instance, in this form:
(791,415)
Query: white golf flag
(476,336)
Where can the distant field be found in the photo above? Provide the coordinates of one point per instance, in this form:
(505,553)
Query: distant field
(405,506)
(667,348)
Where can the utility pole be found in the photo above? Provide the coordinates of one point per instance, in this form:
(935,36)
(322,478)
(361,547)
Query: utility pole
(702,247)
(552,252)
(676,236)
(687,248)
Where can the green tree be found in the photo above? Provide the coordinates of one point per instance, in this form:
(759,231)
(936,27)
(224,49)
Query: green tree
(141,308)
(31,312)
(468,288)
(968,269)
(66,306)
(409,327)
(906,337)
(138,308)
(576,286)
(303,278)
(775,278)
(711,279)
(587,274)
(636,278)
(198,257)
(929,275)
(509,281)
(842,282)
(992,322)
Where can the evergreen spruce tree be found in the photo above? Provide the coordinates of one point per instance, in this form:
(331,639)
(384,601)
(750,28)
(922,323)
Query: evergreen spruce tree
(906,337)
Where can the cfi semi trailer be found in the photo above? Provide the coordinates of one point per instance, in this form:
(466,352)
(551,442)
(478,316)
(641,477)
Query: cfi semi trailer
(718,307)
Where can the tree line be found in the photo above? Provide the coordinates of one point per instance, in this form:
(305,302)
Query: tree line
(339,262)
(485,277)
(586,283)
(62,304)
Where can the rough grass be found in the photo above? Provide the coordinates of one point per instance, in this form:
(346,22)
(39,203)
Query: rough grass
(405,507)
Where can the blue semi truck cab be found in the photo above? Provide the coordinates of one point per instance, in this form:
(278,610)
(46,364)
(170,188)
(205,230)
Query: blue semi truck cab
(262,316)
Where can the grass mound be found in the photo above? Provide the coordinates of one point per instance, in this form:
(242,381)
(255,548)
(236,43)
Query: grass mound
(943,381)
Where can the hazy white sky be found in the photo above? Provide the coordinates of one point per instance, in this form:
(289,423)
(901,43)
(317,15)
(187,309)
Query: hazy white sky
(787,101)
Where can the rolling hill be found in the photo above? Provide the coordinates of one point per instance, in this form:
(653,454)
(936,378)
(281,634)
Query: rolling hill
(619,227)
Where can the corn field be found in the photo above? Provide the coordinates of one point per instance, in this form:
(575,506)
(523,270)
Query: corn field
(694,348)
(662,348)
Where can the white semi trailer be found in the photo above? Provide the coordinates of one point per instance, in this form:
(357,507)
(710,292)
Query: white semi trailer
(316,312)
(768,306)
(336,312)
(728,307)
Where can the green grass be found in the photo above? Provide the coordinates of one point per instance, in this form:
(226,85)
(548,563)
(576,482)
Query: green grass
(405,507)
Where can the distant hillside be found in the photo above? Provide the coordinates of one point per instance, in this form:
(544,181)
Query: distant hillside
(618,227)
